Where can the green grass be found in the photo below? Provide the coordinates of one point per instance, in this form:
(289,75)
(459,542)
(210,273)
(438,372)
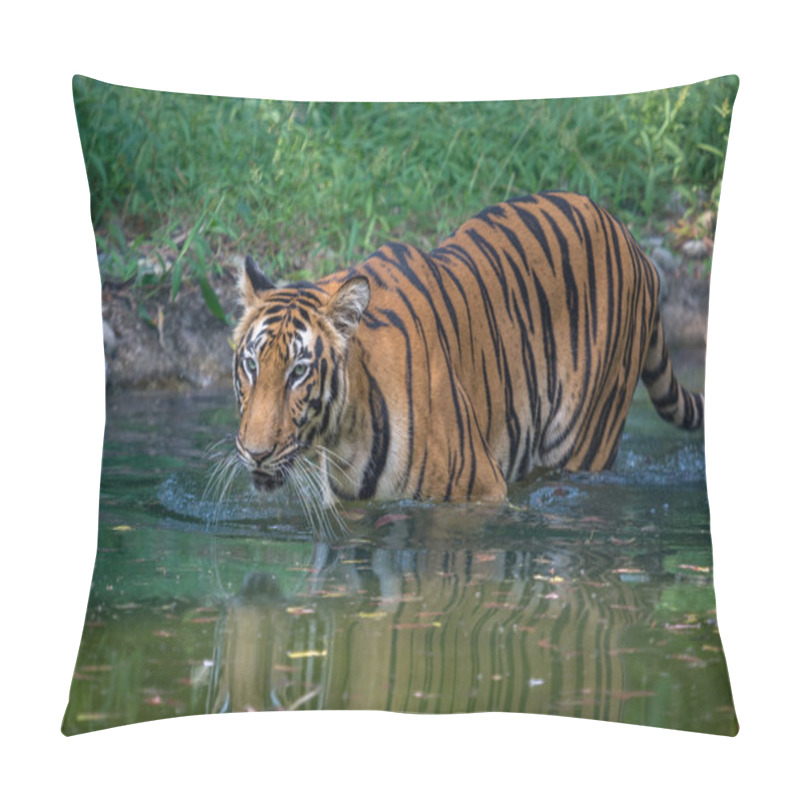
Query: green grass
(180,181)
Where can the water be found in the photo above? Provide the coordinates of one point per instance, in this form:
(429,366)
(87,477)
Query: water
(587,596)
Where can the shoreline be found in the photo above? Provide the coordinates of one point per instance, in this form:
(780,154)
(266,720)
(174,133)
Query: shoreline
(151,342)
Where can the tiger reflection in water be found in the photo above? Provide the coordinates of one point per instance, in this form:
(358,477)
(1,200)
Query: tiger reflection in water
(434,630)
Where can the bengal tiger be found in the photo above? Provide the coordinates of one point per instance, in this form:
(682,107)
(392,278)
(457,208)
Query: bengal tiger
(516,343)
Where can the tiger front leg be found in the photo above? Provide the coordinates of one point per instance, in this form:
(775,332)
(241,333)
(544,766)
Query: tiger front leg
(489,485)
(467,470)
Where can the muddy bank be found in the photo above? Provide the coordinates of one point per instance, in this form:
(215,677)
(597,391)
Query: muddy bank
(151,342)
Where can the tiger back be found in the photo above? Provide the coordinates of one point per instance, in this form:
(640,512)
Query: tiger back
(516,343)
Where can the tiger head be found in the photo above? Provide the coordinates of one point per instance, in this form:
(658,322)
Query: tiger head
(289,369)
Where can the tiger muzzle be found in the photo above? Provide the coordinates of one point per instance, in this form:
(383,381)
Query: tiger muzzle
(267,471)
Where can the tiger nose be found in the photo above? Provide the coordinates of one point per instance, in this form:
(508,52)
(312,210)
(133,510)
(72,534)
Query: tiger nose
(258,457)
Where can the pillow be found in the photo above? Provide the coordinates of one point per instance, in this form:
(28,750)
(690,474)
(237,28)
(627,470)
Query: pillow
(545,551)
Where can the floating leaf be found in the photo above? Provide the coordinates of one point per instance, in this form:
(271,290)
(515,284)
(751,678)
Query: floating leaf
(405,626)
(693,661)
(307,653)
(630,695)
(304,699)
(549,578)
(154,701)
(297,611)
(388,519)
(94,716)
(420,695)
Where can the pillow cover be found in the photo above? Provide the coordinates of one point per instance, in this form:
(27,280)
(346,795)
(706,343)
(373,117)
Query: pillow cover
(585,594)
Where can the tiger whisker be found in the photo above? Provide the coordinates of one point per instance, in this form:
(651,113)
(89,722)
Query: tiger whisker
(313,496)
(309,482)
(221,475)
(335,462)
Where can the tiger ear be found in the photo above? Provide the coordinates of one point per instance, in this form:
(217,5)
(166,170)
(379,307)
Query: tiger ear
(345,308)
(252,281)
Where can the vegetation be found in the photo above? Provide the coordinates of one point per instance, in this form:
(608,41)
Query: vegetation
(179,181)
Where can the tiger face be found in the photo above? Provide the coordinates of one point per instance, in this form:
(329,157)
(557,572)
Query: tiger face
(290,370)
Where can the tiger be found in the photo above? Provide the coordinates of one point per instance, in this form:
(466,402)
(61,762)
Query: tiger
(446,375)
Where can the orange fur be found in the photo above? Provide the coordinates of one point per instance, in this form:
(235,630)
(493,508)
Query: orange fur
(516,343)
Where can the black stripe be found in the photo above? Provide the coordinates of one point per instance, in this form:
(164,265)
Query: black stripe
(569,425)
(440,264)
(334,394)
(435,272)
(418,490)
(668,399)
(399,325)
(570,286)
(587,240)
(512,420)
(599,432)
(548,338)
(492,258)
(463,256)
(379,416)
(522,284)
(566,208)
(400,252)
(649,377)
(487,390)
(531,222)
(531,385)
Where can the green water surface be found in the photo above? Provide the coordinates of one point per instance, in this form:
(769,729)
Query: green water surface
(587,595)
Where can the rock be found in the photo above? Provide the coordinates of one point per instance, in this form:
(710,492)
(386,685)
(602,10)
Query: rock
(684,310)
(695,249)
(109,339)
(675,205)
(152,266)
(156,343)
(665,259)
